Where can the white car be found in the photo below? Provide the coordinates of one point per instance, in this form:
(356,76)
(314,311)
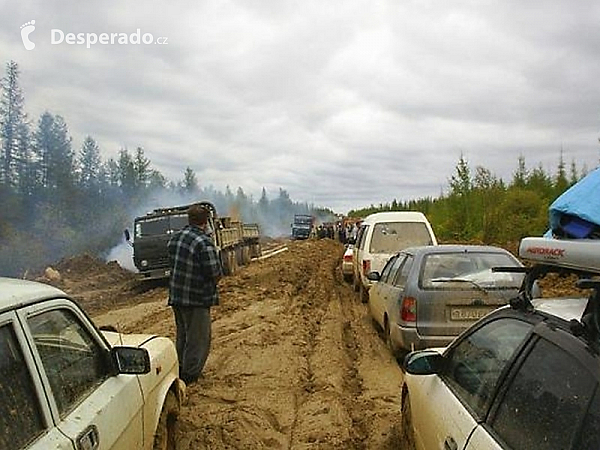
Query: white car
(382,235)
(347,270)
(64,384)
(526,376)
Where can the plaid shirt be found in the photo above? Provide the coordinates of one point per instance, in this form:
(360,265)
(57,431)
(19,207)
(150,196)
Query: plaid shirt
(195,268)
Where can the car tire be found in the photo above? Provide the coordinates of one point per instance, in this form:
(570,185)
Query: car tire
(165,436)
(388,337)
(364,294)
(406,432)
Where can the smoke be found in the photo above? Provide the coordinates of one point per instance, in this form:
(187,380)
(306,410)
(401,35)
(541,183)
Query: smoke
(123,255)
(274,218)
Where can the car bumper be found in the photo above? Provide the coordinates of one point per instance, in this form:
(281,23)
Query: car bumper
(347,269)
(408,339)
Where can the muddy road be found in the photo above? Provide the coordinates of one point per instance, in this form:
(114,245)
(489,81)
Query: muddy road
(295,363)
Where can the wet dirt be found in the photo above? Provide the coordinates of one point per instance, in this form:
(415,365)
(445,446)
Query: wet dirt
(295,362)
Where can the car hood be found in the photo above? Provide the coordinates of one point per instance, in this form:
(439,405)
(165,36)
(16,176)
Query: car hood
(130,340)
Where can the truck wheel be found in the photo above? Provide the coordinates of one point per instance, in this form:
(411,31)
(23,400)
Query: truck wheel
(225,262)
(165,436)
(232,262)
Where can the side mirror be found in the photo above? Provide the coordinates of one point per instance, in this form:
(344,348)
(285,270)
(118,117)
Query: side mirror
(127,235)
(130,360)
(373,276)
(423,362)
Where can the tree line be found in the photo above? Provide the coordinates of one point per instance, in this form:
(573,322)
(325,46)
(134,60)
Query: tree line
(58,200)
(481,207)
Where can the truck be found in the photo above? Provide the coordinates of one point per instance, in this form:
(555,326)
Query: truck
(238,243)
(302,228)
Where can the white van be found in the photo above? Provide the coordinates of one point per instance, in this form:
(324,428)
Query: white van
(381,236)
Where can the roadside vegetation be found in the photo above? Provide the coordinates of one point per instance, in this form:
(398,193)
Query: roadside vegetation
(59,199)
(481,207)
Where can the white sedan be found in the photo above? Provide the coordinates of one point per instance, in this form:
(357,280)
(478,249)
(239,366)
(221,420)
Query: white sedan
(64,384)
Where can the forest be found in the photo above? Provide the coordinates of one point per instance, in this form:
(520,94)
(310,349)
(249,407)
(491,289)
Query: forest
(59,200)
(481,207)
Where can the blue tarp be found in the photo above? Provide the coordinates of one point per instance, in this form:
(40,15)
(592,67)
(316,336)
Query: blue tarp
(576,213)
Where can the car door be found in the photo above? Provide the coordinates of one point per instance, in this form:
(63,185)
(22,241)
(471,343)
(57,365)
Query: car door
(447,408)
(397,288)
(25,419)
(358,252)
(96,410)
(380,291)
(551,400)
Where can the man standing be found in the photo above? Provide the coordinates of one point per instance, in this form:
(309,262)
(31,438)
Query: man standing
(195,271)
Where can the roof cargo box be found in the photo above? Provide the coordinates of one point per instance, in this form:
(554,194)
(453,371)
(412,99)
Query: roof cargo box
(579,254)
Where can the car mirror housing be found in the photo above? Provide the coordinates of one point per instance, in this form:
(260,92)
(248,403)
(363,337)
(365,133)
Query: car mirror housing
(130,360)
(373,276)
(424,362)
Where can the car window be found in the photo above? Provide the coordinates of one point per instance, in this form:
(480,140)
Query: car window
(361,237)
(402,275)
(477,361)
(440,268)
(389,237)
(73,361)
(389,267)
(546,402)
(20,415)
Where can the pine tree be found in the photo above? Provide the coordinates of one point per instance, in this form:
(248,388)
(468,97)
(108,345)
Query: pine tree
(189,184)
(89,164)
(12,119)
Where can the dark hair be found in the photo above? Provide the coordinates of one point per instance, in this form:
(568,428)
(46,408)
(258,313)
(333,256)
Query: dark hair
(197,215)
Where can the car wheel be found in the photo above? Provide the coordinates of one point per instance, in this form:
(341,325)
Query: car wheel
(364,294)
(166,430)
(388,337)
(407,433)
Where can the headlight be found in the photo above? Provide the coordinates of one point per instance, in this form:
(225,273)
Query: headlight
(144,263)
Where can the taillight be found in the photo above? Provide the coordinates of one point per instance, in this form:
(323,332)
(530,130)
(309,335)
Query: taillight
(408,310)
(348,258)
(366,266)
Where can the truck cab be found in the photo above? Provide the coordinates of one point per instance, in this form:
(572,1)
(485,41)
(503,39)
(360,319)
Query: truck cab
(302,226)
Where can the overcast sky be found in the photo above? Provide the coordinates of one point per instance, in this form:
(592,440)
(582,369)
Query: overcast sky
(343,103)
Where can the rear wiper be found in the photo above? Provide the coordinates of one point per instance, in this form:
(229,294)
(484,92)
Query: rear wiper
(458,280)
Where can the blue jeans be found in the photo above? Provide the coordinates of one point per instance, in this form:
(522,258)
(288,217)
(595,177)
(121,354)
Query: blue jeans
(192,340)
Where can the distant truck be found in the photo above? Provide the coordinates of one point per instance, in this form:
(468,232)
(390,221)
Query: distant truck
(302,227)
(237,242)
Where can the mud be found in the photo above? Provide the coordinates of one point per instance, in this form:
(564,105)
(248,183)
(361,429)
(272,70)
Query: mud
(295,363)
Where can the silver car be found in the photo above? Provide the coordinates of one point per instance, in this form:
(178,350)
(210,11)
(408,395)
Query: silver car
(425,296)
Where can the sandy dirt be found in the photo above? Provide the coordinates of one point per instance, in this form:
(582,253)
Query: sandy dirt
(295,363)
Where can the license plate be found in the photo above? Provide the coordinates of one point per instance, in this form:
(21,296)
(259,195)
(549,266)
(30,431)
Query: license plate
(468,313)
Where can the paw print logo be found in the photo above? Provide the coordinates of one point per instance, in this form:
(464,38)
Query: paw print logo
(26,29)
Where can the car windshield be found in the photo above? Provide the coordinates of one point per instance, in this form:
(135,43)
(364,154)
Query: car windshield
(390,237)
(471,270)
